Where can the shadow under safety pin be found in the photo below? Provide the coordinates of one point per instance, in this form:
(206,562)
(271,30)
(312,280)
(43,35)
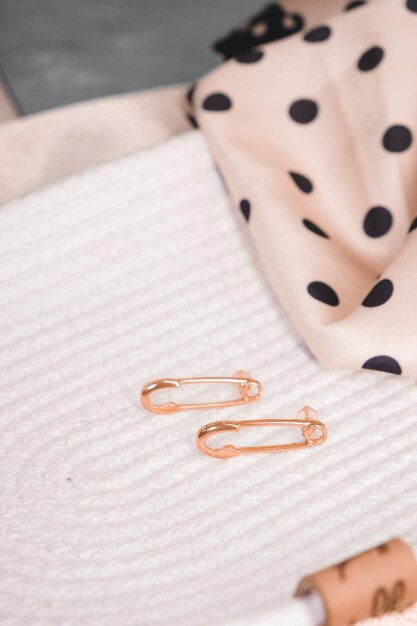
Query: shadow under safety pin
(249,389)
(306,421)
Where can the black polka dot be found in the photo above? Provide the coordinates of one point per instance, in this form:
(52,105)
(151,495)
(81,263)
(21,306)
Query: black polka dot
(249,56)
(354,5)
(412,5)
(245,207)
(377,222)
(383,363)
(380,294)
(413,225)
(324,293)
(321,33)
(315,229)
(397,138)
(192,120)
(370,59)
(303,111)
(217,102)
(190,93)
(302,182)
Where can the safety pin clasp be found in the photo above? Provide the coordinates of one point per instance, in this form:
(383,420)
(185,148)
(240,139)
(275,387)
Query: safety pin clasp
(313,431)
(249,388)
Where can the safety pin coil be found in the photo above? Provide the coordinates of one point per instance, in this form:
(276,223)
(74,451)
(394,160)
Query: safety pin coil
(306,420)
(249,388)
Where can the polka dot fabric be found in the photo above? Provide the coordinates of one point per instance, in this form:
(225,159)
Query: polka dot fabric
(315,136)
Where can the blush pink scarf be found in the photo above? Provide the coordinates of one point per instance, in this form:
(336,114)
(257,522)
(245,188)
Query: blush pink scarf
(316,137)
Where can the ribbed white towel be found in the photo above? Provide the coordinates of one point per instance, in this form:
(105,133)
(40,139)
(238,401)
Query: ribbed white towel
(109,515)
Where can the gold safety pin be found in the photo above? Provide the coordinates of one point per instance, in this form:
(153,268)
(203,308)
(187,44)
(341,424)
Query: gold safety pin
(249,388)
(306,420)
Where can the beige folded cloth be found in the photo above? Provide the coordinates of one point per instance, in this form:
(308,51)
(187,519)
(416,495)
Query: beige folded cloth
(8,111)
(43,148)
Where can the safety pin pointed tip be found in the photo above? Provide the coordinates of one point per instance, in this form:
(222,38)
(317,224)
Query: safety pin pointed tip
(307,413)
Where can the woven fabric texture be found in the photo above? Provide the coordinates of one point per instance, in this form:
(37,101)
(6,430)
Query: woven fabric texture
(109,515)
(406,618)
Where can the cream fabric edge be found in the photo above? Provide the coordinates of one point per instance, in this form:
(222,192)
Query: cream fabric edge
(40,149)
(7,109)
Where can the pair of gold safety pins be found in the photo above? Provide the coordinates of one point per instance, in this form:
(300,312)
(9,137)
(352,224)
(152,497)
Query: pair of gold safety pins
(312,430)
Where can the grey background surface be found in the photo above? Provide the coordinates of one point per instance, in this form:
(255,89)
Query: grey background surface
(54,52)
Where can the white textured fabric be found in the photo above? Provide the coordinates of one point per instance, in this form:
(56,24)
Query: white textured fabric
(405,618)
(295,612)
(110,515)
